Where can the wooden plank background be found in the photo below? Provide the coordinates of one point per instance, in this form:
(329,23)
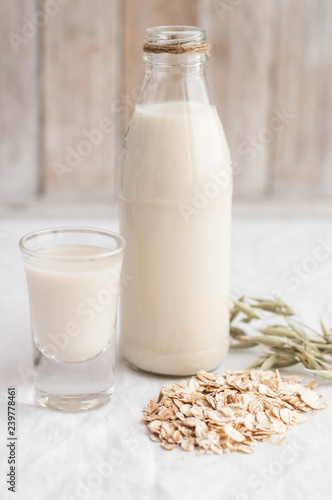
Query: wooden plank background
(72,68)
(81,81)
(20,160)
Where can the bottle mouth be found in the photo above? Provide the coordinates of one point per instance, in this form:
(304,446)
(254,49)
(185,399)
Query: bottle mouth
(164,36)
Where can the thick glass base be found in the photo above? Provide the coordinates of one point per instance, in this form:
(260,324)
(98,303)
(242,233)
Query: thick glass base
(73,403)
(74,387)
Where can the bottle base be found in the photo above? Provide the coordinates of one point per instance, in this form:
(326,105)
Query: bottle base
(73,403)
(180,365)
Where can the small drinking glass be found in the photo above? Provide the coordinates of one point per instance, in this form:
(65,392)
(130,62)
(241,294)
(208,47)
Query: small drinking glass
(73,278)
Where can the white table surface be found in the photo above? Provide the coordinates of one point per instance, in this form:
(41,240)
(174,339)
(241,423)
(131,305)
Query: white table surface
(107,454)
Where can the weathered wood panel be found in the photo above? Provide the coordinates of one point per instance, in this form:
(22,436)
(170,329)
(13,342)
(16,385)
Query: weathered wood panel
(242,35)
(82,78)
(19,109)
(138,16)
(303,154)
(81,62)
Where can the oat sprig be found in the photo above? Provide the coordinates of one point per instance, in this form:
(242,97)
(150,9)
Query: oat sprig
(273,324)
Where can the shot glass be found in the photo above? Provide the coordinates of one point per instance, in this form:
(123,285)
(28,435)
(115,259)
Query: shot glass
(73,278)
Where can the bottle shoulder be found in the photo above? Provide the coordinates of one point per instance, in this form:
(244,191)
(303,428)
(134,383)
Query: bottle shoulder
(170,148)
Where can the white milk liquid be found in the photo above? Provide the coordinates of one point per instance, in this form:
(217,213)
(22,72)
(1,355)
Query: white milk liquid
(73,303)
(175,217)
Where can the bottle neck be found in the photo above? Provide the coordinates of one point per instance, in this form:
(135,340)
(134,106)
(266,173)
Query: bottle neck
(176,58)
(167,80)
(177,64)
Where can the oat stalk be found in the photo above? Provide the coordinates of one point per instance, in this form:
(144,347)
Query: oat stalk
(273,324)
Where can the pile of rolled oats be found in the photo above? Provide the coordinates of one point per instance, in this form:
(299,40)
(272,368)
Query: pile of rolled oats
(228,411)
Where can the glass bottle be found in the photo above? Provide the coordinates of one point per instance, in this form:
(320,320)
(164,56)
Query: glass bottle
(175,190)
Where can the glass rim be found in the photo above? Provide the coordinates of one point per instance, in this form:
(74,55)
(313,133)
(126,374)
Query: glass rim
(182,34)
(120,241)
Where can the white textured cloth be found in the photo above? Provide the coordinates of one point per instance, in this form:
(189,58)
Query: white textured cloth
(106,454)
